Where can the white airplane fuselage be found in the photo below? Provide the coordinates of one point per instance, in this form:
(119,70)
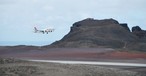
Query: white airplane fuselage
(44,30)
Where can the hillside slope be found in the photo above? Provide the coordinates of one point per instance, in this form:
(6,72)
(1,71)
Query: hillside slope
(91,33)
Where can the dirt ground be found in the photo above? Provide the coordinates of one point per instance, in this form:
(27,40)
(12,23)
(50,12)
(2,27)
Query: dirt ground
(83,54)
(13,67)
(23,68)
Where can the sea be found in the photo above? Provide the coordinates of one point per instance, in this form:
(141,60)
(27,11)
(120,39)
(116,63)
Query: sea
(29,43)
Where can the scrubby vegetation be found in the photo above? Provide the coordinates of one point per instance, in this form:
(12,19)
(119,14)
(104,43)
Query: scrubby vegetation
(54,69)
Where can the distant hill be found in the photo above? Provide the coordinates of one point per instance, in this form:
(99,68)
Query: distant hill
(91,33)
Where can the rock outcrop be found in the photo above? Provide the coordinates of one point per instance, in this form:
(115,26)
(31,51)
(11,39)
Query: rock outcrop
(91,33)
(139,32)
(125,25)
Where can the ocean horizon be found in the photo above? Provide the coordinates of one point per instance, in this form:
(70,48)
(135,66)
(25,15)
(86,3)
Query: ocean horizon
(30,43)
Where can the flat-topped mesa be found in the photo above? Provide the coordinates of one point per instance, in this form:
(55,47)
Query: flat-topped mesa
(93,22)
(96,33)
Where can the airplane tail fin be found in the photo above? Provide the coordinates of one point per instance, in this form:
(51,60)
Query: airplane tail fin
(35,29)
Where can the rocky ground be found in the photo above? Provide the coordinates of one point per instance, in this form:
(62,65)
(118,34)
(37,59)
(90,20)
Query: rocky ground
(12,67)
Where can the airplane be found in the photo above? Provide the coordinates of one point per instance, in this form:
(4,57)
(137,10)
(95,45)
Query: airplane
(43,30)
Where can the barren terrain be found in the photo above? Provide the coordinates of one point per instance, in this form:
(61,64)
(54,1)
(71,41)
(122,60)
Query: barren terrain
(11,67)
(76,54)
(83,54)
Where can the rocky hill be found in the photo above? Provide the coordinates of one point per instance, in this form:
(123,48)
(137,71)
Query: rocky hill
(91,33)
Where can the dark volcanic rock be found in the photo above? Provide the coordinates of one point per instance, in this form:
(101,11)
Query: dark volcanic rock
(136,28)
(91,33)
(125,26)
(139,32)
(96,33)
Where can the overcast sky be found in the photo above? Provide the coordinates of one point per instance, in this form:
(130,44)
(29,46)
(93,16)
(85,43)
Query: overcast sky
(18,17)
